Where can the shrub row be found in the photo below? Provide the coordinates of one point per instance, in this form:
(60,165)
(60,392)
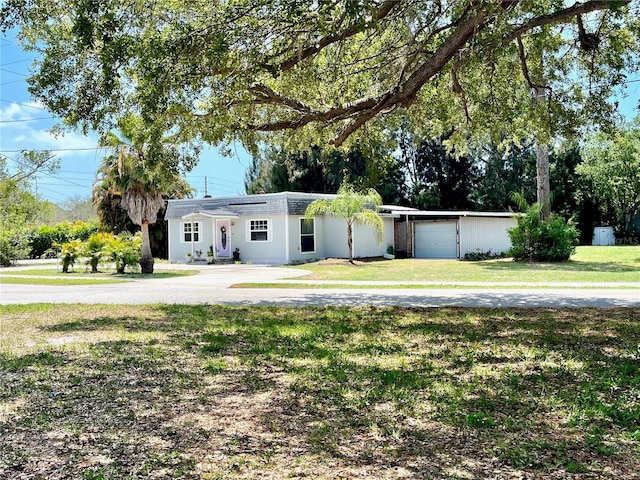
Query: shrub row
(489,255)
(43,238)
(39,241)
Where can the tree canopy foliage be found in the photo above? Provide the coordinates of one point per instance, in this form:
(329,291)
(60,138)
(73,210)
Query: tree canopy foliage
(316,170)
(314,73)
(612,165)
(19,206)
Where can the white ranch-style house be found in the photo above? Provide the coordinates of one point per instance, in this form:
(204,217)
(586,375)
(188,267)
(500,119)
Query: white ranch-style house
(270,229)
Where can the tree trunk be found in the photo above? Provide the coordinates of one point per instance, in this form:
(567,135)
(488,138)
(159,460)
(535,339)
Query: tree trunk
(542,168)
(350,241)
(146,260)
(544,186)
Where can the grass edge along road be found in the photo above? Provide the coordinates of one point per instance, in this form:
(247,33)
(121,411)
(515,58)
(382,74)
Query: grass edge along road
(615,267)
(589,264)
(237,392)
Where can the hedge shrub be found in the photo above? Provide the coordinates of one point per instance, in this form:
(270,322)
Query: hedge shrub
(533,239)
(43,239)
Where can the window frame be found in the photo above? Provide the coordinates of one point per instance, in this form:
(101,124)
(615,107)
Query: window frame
(196,233)
(312,235)
(267,230)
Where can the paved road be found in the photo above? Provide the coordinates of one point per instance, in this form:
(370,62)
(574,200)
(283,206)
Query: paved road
(211,286)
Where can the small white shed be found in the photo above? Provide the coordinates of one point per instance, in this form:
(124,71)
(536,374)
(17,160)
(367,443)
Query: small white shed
(603,236)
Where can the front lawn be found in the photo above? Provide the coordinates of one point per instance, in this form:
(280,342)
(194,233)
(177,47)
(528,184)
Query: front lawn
(52,276)
(116,392)
(589,264)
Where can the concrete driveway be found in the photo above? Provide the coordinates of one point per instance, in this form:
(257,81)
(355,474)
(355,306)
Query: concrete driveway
(211,286)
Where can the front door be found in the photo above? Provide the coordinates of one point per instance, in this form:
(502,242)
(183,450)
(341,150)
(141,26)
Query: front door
(223,238)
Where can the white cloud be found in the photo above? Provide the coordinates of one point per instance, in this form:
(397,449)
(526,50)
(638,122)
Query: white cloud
(29,129)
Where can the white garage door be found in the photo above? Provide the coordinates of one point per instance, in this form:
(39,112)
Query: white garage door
(436,240)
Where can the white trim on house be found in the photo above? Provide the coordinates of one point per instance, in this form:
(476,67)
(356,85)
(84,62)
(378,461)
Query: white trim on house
(454,214)
(312,222)
(259,226)
(287,253)
(193,232)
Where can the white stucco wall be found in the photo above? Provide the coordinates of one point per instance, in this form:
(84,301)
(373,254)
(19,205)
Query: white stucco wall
(272,251)
(179,249)
(284,245)
(364,240)
(481,234)
(295,248)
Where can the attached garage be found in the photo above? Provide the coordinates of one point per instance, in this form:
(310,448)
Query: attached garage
(450,234)
(436,239)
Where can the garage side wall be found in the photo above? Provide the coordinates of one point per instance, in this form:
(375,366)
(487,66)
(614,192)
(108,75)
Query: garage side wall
(481,234)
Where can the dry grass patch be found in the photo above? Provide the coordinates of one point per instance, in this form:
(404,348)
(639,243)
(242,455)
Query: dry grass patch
(110,392)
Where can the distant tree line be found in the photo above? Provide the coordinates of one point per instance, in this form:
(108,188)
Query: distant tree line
(426,174)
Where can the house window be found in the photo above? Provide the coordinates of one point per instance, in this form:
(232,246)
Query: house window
(260,230)
(191,232)
(307,236)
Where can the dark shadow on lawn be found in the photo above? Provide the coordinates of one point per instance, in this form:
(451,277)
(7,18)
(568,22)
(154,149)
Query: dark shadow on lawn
(312,384)
(571,265)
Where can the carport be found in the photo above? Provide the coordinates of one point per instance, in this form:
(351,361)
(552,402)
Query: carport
(449,234)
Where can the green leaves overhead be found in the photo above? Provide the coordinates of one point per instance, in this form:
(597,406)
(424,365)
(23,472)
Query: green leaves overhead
(304,73)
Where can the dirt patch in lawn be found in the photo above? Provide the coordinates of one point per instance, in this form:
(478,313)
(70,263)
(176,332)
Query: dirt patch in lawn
(345,261)
(334,393)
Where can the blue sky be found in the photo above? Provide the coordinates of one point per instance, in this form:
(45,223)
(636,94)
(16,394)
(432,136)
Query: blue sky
(24,125)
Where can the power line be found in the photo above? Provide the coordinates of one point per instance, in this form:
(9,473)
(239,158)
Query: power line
(9,83)
(60,196)
(27,120)
(209,177)
(14,73)
(19,61)
(22,104)
(64,180)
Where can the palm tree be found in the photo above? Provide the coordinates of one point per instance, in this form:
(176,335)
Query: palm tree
(354,207)
(140,169)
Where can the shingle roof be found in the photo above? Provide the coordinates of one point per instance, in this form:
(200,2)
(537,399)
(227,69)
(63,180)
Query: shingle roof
(292,203)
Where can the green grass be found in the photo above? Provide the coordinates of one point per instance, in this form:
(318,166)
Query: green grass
(315,286)
(80,277)
(589,264)
(58,280)
(118,392)
(101,274)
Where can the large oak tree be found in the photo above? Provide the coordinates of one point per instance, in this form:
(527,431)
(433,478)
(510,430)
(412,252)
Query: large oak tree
(303,72)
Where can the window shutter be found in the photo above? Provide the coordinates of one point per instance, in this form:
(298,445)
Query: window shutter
(247,231)
(269,230)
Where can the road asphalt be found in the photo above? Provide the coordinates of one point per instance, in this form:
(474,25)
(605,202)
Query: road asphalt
(212,285)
